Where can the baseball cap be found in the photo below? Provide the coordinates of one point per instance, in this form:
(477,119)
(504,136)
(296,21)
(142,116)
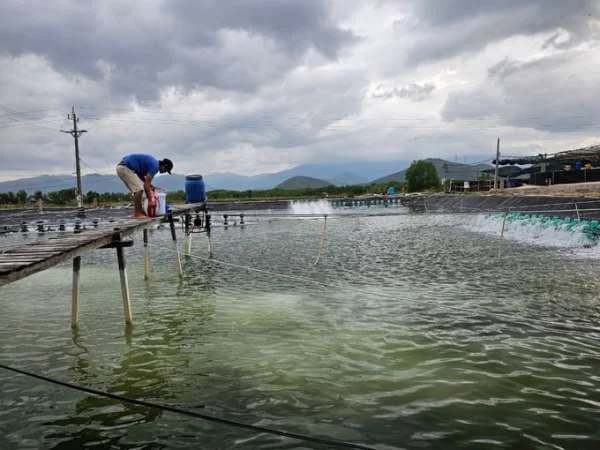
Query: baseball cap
(168,165)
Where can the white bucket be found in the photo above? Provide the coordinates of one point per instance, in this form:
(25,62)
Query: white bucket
(161,208)
(161,203)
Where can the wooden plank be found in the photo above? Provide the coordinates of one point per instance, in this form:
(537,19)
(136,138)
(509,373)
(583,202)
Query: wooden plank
(178,209)
(17,252)
(20,261)
(50,247)
(30,254)
(39,250)
(54,244)
(13,258)
(23,258)
(7,270)
(92,242)
(14,263)
(17,260)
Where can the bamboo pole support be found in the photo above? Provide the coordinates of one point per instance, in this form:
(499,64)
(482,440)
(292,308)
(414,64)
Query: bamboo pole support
(187,229)
(188,244)
(75,293)
(208,235)
(503,225)
(124,282)
(178,257)
(146,256)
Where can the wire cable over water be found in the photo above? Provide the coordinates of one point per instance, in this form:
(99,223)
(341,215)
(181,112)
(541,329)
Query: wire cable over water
(456,309)
(295,277)
(187,412)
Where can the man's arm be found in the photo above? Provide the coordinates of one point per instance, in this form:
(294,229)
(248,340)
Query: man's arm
(148,187)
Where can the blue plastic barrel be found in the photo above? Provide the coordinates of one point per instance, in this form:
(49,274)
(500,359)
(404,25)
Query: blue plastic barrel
(194,189)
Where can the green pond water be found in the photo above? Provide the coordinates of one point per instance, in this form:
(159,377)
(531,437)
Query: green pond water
(411,331)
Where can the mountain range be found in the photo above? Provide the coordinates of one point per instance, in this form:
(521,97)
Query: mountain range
(445,169)
(337,174)
(300,182)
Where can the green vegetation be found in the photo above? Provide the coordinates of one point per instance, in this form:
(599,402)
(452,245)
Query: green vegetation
(10,198)
(445,169)
(63,197)
(66,197)
(422,175)
(330,191)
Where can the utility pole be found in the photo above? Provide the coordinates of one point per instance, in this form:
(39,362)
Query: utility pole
(497,158)
(76,133)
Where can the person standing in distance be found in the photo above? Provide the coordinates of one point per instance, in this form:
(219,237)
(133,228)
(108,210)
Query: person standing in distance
(136,170)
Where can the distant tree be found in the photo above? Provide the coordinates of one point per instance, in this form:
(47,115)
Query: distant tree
(37,195)
(176,196)
(7,198)
(421,175)
(21,197)
(62,197)
(91,196)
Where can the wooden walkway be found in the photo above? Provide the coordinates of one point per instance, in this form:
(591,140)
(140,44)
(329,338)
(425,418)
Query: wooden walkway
(26,259)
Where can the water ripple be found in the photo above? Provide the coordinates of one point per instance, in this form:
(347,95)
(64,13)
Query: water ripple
(414,334)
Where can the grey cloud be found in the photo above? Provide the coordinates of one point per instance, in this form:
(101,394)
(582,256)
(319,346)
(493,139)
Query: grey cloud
(293,114)
(509,67)
(505,68)
(296,25)
(172,43)
(453,27)
(551,94)
(413,91)
(442,13)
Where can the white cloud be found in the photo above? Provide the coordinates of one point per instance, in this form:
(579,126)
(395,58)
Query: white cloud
(258,87)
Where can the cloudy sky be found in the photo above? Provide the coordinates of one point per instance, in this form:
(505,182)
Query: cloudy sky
(254,86)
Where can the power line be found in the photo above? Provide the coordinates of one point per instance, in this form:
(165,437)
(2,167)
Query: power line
(187,412)
(23,121)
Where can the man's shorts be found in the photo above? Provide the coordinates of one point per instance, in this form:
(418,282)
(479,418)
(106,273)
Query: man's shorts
(130,178)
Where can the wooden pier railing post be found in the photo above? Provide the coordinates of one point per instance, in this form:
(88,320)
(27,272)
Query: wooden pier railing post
(208,235)
(188,245)
(75,293)
(174,236)
(146,256)
(187,251)
(124,282)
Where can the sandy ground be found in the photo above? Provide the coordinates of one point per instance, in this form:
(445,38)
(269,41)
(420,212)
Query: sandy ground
(591,189)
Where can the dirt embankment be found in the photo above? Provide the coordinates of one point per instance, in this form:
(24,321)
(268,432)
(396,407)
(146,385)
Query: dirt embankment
(591,189)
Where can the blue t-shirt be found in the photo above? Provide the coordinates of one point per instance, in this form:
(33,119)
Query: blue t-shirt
(141,164)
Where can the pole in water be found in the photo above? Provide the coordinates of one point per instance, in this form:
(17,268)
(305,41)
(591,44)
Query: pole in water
(323,241)
(178,257)
(210,249)
(75,293)
(146,256)
(188,234)
(496,168)
(124,282)
(188,244)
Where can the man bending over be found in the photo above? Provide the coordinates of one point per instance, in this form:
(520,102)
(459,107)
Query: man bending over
(136,170)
